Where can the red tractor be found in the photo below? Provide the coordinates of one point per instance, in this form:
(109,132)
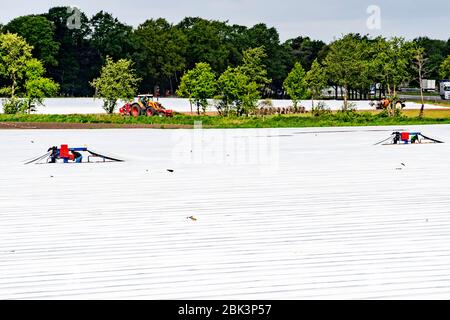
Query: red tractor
(385,103)
(145,106)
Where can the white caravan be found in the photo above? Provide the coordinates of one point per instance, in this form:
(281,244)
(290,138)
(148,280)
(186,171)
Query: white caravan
(429,85)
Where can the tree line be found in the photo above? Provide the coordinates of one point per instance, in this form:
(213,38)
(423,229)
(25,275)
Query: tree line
(243,62)
(161,51)
(354,64)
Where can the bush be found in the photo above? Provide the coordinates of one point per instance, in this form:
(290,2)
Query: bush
(14,106)
(351,106)
(266,103)
(383,114)
(398,113)
(320,109)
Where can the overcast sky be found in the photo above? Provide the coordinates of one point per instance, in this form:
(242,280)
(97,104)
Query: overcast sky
(319,19)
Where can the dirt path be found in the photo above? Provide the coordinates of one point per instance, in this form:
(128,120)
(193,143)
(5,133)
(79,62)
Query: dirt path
(62,125)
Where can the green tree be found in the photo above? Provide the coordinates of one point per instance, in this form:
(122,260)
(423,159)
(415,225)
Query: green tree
(15,53)
(159,50)
(117,81)
(344,63)
(237,42)
(198,84)
(207,41)
(25,75)
(435,51)
(237,92)
(78,61)
(262,36)
(253,66)
(444,69)
(316,80)
(37,87)
(240,88)
(295,84)
(304,50)
(109,36)
(391,63)
(39,32)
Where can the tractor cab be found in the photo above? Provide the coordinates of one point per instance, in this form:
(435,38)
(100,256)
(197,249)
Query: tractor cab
(145,98)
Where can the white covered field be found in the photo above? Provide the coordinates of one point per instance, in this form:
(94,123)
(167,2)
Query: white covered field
(92,106)
(308,214)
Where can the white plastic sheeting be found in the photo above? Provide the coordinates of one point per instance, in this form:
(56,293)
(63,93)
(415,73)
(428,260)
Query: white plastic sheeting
(308,214)
(93,106)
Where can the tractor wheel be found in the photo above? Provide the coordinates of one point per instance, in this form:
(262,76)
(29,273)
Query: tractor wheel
(149,112)
(135,110)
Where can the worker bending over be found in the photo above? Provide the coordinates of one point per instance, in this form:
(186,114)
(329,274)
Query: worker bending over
(77,157)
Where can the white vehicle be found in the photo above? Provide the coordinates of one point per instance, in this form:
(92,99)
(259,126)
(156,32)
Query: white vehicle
(428,85)
(444,89)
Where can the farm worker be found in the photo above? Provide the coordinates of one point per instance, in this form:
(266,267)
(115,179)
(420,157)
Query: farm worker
(77,156)
(397,137)
(54,155)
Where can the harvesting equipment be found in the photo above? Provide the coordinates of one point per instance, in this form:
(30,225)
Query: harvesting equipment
(407,138)
(145,105)
(74,155)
